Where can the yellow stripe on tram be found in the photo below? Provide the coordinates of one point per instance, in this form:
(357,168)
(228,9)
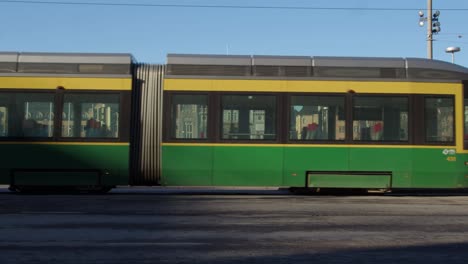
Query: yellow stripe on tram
(68,83)
(304,145)
(310,86)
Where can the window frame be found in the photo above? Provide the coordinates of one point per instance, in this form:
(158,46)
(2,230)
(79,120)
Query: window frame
(423,128)
(416,116)
(124,116)
(315,141)
(350,110)
(279,118)
(214,119)
(17,114)
(58,97)
(168,120)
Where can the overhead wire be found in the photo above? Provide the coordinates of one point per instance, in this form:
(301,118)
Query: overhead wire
(223,6)
(450,41)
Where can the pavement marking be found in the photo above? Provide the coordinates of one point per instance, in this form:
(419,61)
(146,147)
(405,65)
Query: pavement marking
(156,244)
(95,244)
(49,212)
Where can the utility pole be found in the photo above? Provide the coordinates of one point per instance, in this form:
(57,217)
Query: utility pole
(433,25)
(429,29)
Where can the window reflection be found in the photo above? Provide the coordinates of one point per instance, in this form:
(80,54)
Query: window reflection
(189,116)
(465,113)
(91,115)
(317,118)
(380,118)
(248,117)
(38,114)
(439,112)
(4,121)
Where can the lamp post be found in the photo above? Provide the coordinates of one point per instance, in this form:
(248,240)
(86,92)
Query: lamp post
(433,25)
(452,50)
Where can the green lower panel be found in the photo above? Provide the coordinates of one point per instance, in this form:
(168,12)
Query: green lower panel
(298,160)
(222,166)
(286,166)
(349,181)
(396,160)
(431,169)
(238,166)
(187,166)
(61,164)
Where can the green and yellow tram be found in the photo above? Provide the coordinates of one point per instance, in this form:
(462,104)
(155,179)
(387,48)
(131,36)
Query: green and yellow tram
(322,122)
(102,120)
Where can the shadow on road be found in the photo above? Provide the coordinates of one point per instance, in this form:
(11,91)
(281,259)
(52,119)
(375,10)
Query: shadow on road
(424,254)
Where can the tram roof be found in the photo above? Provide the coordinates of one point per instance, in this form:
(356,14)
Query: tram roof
(65,63)
(318,66)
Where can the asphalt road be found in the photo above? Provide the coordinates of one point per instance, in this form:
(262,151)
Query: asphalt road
(138,225)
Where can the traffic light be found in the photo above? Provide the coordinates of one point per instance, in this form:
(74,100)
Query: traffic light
(435,22)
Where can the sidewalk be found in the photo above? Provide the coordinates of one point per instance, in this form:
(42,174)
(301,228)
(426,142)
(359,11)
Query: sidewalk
(189,190)
(197,190)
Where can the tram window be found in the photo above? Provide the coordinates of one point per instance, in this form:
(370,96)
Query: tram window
(189,116)
(317,118)
(380,118)
(439,118)
(465,115)
(87,115)
(248,117)
(4,121)
(5,112)
(36,111)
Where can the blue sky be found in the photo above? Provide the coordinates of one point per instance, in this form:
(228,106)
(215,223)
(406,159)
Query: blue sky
(149,33)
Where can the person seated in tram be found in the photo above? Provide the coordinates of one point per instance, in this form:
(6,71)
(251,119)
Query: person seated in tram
(29,127)
(92,127)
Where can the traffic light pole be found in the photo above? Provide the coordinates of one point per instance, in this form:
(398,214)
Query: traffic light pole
(433,25)
(429,29)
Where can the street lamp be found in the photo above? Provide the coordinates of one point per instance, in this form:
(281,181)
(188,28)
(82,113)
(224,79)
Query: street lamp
(452,50)
(433,25)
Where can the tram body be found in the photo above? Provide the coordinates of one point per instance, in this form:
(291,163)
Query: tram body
(316,122)
(102,120)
